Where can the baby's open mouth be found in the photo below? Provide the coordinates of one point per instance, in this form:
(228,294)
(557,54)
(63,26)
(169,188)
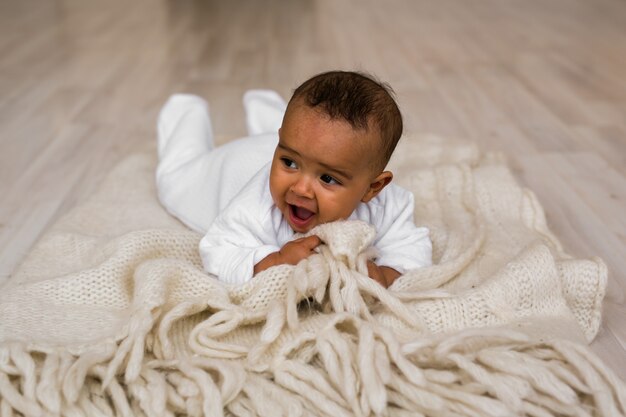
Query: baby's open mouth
(301,219)
(300,213)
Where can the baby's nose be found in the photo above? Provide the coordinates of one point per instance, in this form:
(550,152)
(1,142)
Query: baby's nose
(302,187)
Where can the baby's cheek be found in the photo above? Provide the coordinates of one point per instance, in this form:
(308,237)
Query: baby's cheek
(277,189)
(336,209)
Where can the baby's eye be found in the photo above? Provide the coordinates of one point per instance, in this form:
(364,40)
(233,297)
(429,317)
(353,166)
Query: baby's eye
(289,163)
(328,179)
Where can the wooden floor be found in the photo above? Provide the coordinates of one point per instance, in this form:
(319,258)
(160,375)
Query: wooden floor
(542,80)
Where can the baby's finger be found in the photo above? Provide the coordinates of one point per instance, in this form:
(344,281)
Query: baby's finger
(312,241)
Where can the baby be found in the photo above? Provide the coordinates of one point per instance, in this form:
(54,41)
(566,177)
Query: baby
(337,135)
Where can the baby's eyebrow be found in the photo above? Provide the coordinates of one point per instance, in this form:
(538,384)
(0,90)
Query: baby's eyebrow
(287,148)
(332,169)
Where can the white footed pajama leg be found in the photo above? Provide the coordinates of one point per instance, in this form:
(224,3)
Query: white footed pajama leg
(264,111)
(184,127)
(185,142)
(195,181)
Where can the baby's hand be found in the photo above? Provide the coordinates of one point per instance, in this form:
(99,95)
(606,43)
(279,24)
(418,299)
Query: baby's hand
(384,275)
(291,253)
(296,250)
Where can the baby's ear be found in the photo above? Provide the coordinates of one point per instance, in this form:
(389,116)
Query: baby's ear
(377,185)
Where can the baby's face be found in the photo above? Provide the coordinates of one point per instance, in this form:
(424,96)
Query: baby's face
(322,169)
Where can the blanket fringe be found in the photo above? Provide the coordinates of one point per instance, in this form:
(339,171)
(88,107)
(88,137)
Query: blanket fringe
(333,285)
(477,373)
(350,368)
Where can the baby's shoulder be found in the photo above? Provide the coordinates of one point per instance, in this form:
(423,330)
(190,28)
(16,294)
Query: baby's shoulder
(254,201)
(385,207)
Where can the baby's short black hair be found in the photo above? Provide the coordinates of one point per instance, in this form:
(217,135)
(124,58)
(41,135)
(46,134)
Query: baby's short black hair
(357,98)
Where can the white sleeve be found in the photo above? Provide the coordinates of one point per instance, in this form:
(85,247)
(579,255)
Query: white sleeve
(400,243)
(240,237)
(233,245)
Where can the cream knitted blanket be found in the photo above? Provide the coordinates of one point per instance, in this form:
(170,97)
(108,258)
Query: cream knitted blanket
(111,314)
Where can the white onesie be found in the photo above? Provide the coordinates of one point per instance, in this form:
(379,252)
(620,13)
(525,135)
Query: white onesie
(224,192)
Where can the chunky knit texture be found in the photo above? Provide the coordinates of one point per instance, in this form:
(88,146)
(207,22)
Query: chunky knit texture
(111,314)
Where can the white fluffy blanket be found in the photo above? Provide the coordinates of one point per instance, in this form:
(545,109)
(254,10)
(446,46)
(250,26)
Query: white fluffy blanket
(111,313)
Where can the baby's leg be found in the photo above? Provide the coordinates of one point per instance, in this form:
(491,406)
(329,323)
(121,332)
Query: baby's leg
(264,111)
(184,117)
(185,138)
(194,181)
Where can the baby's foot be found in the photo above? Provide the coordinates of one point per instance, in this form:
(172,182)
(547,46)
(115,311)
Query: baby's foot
(177,107)
(264,111)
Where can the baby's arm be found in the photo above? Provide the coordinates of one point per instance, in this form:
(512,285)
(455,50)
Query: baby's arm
(235,243)
(291,253)
(401,244)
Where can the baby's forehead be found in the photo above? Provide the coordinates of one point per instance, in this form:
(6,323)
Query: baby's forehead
(367,139)
(369,133)
(368,144)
